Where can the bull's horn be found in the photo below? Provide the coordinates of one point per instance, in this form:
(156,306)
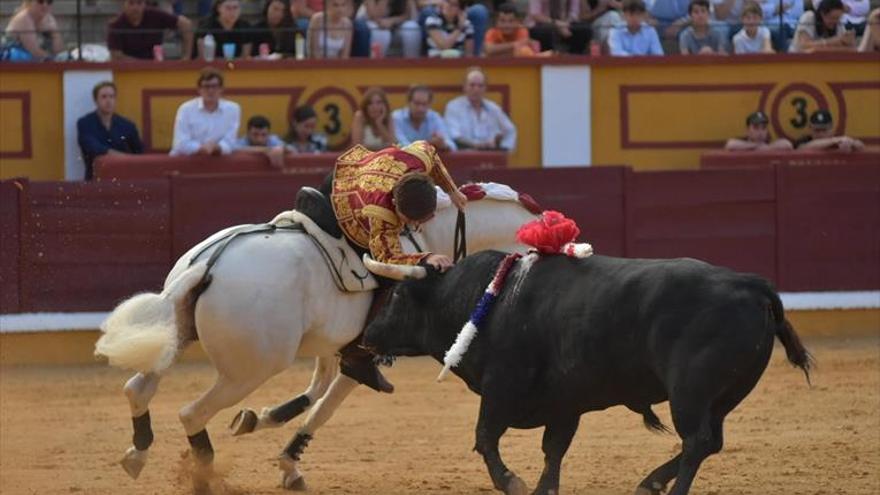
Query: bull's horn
(395,272)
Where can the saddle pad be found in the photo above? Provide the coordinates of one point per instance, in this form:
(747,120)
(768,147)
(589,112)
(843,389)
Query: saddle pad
(346,267)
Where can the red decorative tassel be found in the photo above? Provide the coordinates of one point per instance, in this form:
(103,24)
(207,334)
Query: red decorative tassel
(548,234)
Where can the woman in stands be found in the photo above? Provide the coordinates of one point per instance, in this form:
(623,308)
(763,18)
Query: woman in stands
(330,32)
(32,33)
(302,138)
(276,29)
(392,17)
(372,125)
(823,30)
(227,27)
(871,40)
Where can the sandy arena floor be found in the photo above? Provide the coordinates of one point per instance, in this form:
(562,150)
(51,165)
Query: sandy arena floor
(63,429)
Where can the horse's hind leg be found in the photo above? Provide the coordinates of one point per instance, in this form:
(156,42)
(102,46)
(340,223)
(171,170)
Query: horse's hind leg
(248,421)
(291,478)
(139,389)
(224,393)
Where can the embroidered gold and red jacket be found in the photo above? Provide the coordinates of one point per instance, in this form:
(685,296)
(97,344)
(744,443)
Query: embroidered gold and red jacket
(362,198)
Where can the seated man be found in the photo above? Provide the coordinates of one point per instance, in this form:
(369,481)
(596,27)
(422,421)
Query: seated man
(417,122)
(635,37)
(258,138)
(206,125)
(103,131)
(374,195)
(821,136)
(757,136)
(138,28)
(477,123)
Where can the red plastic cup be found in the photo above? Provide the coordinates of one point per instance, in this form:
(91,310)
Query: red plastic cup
(376,50)
(264,50)
(595,49)
(158,53)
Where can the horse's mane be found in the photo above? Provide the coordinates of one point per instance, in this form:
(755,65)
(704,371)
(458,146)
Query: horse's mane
(489,190)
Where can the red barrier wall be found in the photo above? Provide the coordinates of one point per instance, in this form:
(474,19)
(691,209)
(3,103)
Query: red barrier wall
(726,159)
(84,246)
(829,227)
(725,217)
(11,197)
(592,196)
(89,245)
(204,204)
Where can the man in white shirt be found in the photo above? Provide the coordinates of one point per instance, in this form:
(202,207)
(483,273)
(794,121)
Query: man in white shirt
(207,125)
(475,122)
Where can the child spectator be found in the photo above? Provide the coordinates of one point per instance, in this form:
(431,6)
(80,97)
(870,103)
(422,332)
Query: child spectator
(450,33)
(698,38)
(754,37)
(635,37)
(372,125)
(757,136)
(509,37)
(302,137)
(823,30)
(24,34)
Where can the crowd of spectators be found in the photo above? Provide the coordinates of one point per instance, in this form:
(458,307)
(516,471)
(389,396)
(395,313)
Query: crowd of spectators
(209,124)
(454,28)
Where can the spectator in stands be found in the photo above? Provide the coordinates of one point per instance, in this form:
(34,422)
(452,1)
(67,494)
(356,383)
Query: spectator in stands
(602,16)
(259,138)
(557,22)
(228,28)
(207,125)
(475,122)
(636,37)
(302,11)
(138,28)
(276,29)
(754,37)
(372,125)
(791,12)
(32,33)
(335,41)
(104,131)
(670,17)
(855,16)
(699,38)
(509,38)
(418,122)
(727,14)
(823,30)
(475,11)
(449,32)
(871,39)
(392,17)
(302,138)
(822,136)
(757,136)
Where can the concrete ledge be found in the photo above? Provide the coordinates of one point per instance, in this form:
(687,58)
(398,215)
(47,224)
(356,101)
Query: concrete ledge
(62,347)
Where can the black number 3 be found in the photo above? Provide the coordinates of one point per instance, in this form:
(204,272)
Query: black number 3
(335,125)
(800,107)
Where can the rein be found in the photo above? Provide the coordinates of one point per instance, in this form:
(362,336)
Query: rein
(459,245)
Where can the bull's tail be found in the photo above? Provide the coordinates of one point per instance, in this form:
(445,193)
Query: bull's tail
(794,349)
(145,332)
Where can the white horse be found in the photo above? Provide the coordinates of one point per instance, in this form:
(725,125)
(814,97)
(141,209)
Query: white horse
(270,299)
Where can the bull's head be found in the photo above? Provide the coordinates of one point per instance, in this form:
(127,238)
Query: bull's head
(401,325)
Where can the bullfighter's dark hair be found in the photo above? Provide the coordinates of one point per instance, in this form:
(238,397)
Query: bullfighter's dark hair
(415,196)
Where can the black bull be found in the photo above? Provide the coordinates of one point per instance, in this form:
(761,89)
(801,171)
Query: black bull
(572,336)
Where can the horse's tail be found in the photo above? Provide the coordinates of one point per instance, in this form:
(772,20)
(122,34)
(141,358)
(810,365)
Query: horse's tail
(145,332)
(794,349)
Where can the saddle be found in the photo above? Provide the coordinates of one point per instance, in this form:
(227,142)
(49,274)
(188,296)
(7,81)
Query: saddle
(314,213)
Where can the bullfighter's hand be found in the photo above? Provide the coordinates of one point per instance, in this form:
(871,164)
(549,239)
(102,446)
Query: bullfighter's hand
(458,199)
(439,261)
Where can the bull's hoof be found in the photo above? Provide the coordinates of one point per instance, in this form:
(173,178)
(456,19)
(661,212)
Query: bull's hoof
(133,461)
(516,486)
(244,422)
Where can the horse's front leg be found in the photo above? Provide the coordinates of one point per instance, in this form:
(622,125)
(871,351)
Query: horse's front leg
(323,410)
(249,421)
(139,390)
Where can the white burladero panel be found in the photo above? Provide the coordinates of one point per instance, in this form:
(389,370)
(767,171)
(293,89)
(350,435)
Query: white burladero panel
(78,101)
(565,116)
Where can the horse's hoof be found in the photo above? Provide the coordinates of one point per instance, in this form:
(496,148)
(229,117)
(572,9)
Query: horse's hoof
(657,489)
(297,484)
(516,486)
(243,422)
(133,461)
